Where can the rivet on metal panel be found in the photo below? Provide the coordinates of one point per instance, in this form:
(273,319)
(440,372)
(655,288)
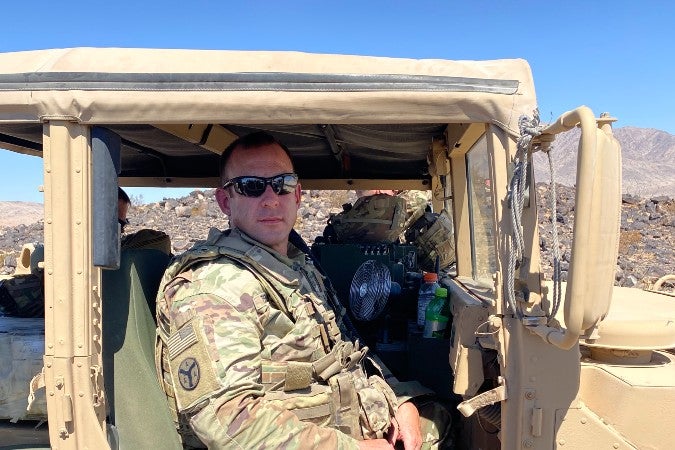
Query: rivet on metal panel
(527,443)
(561,442)
(529,395)
(584,420)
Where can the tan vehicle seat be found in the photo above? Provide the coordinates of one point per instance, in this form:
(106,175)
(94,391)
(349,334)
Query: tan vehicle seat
(138,411)
(637,323)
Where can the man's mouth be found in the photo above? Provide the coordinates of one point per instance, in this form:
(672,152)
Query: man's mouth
(270,219)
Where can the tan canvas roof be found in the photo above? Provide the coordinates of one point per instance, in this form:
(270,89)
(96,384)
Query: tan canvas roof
(342,117)
(107,86)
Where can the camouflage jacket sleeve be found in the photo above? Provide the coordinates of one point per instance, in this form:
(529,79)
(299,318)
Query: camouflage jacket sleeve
(235,318)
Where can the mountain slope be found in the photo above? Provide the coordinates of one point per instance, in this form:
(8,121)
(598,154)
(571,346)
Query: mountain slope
(648,160)
(17,213)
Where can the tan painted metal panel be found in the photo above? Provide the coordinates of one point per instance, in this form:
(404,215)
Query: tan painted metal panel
(633,399)
(75,400)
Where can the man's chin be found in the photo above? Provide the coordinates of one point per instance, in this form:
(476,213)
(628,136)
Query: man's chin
(271,238)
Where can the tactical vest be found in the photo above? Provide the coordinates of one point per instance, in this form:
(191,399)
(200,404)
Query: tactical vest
(333,390)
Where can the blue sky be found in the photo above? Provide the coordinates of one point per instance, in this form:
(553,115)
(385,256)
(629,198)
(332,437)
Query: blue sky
(611,56)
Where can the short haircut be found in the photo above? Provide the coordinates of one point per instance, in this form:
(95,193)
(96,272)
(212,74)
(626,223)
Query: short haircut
(253,140)
(121,195)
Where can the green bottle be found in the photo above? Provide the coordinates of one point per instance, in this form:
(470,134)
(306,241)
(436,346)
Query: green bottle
(437,315)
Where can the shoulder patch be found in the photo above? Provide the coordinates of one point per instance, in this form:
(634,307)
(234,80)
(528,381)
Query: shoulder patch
(188,373)
(192,373)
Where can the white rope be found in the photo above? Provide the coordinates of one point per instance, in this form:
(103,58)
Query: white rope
(556,244)
(529,128)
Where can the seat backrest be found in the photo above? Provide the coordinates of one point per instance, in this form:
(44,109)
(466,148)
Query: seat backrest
(637,320)
(138,408)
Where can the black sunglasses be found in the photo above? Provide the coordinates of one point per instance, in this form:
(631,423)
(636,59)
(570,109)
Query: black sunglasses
(250,186)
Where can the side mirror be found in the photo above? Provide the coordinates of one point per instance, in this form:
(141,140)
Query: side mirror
(597,223)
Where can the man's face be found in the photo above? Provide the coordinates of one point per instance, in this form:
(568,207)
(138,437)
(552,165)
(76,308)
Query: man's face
(270,217)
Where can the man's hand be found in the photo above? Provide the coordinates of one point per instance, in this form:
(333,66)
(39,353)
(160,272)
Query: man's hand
(406,427)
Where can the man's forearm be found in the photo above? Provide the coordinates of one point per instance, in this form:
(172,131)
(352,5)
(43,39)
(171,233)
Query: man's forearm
(252,422)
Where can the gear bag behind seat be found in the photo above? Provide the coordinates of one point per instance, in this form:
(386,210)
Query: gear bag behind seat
(374,218)
(433,235)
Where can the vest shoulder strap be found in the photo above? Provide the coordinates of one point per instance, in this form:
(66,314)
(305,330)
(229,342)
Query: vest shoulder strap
(206,252)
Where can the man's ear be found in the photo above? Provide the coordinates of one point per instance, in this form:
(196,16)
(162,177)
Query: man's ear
(223,199)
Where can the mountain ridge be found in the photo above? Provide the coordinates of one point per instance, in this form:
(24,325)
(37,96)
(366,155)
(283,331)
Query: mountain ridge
(648,158)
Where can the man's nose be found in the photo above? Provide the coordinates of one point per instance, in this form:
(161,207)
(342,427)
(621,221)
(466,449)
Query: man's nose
(269,197)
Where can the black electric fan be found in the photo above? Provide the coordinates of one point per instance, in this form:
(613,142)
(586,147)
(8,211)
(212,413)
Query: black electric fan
(370,290)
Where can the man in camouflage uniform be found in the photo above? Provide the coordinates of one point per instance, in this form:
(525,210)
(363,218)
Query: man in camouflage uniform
(143,238)
(251,353)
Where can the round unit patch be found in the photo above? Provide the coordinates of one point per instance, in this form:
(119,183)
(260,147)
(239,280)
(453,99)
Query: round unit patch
(188,373)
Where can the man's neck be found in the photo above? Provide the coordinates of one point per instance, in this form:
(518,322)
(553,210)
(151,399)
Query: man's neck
(272,250)
(292,251)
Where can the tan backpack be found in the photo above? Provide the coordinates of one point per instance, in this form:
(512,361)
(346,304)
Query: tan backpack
(374,218)
(434,238)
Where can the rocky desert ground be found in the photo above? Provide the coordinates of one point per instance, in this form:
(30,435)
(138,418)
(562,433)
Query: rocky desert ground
(646,249)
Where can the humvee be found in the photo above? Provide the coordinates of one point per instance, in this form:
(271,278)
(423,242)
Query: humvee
(528,363)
